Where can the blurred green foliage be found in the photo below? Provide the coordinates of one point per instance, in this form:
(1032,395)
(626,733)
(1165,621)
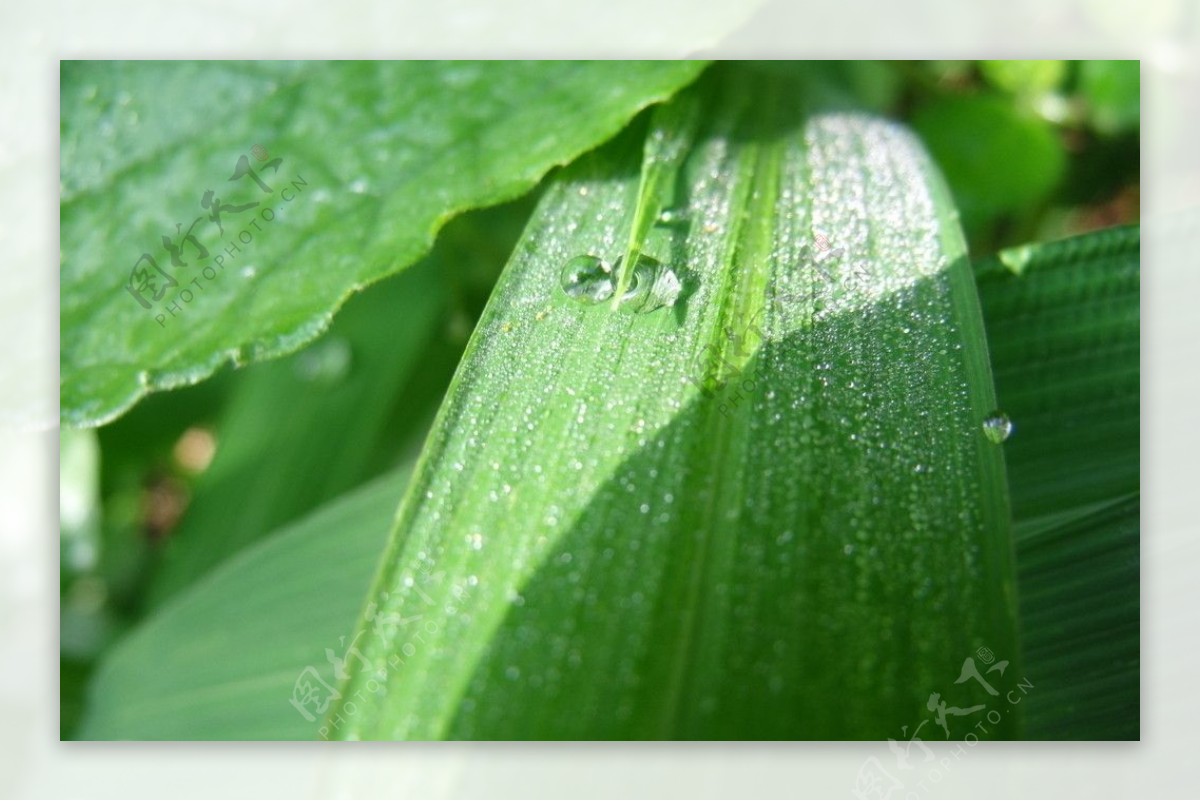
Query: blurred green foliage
(1032,150)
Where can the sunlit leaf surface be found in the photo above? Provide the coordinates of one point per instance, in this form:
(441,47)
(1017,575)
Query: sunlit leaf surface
(766,511)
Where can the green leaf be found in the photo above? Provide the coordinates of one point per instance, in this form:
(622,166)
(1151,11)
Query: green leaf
(768,511)
(222,660)
(375,157)
(1063,324)
(1113,90)
(1080,621)
(996,158)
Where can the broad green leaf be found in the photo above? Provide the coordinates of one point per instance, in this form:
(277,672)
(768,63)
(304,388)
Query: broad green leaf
(224,659)
(768,511)
(996,158)
(1063,326)
(351,168)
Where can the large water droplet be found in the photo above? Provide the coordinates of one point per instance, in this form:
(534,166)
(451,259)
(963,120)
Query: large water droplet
(997,427)
(653,285)
(588,279)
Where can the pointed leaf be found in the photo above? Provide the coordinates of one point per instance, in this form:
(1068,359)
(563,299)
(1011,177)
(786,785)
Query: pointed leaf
(768,511)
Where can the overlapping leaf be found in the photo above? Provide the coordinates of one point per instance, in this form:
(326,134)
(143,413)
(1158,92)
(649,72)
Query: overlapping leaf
(223,211)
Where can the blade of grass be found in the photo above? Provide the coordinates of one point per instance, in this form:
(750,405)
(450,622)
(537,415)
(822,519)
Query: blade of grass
(672,131)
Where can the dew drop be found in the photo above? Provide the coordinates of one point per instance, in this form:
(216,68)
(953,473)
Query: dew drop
(588,279)
(652,286)
(997,427)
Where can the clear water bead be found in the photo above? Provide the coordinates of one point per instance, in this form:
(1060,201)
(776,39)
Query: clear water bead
(653,285)
(588,279)
(997,427)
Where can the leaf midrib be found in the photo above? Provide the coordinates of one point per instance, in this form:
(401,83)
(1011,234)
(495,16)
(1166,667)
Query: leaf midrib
(746,266)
